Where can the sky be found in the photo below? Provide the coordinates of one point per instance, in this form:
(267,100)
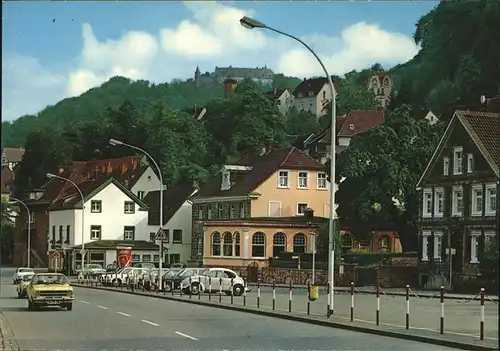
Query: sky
(55,50)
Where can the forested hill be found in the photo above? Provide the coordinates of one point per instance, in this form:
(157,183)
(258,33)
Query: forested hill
(111,94)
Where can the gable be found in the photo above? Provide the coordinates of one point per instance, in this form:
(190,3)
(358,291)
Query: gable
(109,188)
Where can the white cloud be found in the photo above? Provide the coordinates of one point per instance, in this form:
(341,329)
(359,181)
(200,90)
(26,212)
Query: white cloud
(211,37)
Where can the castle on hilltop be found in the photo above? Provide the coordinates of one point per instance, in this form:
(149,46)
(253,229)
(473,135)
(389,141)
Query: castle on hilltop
(260,75)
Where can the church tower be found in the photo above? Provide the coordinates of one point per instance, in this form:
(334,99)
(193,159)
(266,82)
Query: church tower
(197,77)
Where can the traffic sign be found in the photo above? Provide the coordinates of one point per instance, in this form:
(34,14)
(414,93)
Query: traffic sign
(161,234)
(83,251)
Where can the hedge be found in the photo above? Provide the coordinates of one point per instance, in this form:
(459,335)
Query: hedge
(373,258)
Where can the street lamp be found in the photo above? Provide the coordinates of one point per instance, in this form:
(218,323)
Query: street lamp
(251,23)
(29,226)
(82,251)
(114,142)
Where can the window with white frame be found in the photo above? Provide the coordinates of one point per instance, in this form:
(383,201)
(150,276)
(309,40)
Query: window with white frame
(302,180)
(457,207)
(457,160)
(140,194)
(95,232)
(321,181)
(427,203)
(301,208)
(129,207)
(474,246)
(438,245)
(128,233)
(446,165)
(477,200)
(470,163)
(491,199)
(96,206)
(425,243)
(283,179)
(438,202)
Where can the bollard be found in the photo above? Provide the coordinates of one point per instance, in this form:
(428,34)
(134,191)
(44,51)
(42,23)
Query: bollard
(352,301)
(244,292)
(274,294)
(232,295)
(143,284)
(258,292)
(308,300)
(220,289)
(172,285)
(377,314)
(407,307)
(441,321)
(162,285)
(209,288)
(190,285)
(290,298)
(199,290)
(481,325)
(328,297)
(181,289)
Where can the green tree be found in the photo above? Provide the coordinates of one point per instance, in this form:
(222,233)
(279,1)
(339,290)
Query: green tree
(383,165)
(300,122)
(7,231)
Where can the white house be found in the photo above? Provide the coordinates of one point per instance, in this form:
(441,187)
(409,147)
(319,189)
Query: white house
(113,216)
(177,221)
(147,182)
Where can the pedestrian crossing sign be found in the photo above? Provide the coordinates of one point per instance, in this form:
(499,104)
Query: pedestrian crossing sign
(161,235)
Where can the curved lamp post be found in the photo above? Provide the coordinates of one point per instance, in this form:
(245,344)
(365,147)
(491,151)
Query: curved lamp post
(114,142)
(251,23)
(82,251)
(29,226)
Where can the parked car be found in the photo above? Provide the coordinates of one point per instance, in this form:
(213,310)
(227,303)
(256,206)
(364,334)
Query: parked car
(178,266)
(18,275)
(113,277)
(91,269)
(49,289)
(21,287)
(232,283)
(124,276)
(150,279)
(148,265)
(177,277)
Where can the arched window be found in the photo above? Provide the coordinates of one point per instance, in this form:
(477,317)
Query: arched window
(279,243)
(227,239)
(347,241)
(259,245)
(299,243)
(215,244)
(384,244)
(236,238)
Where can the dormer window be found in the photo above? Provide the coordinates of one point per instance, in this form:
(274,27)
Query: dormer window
(311,93)
(457,160)
(351,126)
(32,196)
(470,163)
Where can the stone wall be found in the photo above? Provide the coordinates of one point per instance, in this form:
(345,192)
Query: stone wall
(396,276)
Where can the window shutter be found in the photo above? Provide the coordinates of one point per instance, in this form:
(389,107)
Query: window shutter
(430,247)
(444,246)
(480,249)
(420,246)
(467,248)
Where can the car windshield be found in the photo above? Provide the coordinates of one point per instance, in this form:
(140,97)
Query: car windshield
(24,270)
(50,279)
(94,266)
(187,273)
(204,272)
(27,278)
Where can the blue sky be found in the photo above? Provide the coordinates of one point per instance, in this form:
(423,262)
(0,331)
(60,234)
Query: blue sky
(53,50)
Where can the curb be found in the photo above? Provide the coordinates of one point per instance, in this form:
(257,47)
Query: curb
(325,323)
(373,292)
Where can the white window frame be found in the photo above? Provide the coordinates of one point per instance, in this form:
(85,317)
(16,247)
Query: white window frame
(438,245)
(129,207)
(269,208)
(477,192)
(425,243)
(446,166)
(437,191)
(474,246)
(458,162)
(488,211)
(97,208)
(427,203)
(470,163)
(140,194)
(320,178)
(287,177)
(300,179)
(454,202)
(92,231)
(128,231)
(297,209)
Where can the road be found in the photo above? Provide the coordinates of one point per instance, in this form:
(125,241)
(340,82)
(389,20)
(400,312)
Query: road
(107,320)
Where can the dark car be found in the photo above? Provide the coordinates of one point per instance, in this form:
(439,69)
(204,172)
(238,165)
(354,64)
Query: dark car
(174,279)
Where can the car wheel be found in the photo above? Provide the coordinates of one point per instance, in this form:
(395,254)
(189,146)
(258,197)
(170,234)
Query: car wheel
(116,282)
(195,289)
(69,306)
(238,290)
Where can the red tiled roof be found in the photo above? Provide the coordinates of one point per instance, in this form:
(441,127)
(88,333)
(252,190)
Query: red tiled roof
(357,121)
(13,154)
(262,168)
(7,178)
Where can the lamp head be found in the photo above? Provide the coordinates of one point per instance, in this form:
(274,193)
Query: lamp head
(250,23)
(114,142)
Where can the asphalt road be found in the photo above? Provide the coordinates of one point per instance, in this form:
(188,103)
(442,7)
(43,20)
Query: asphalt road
(107,320)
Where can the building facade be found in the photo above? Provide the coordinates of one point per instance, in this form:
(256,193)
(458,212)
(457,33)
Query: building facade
(313,95)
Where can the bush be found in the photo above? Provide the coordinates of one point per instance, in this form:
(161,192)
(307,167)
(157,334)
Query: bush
(373,258)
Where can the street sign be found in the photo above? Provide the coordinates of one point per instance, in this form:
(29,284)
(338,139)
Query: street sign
(161,235)
(83,251)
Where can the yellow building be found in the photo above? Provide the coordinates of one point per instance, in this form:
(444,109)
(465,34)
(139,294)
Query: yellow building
(255,209)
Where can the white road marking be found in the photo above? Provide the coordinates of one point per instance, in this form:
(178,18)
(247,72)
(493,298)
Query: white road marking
(124,314)
(148,322)
(185,335)
(85,302)
(104,308)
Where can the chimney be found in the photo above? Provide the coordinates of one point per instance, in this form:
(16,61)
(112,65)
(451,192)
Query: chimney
(196,184)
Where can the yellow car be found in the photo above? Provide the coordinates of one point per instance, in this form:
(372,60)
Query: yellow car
(21,287)
(49,289)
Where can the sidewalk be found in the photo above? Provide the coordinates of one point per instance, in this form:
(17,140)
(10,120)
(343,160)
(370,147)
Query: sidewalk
(387,291)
